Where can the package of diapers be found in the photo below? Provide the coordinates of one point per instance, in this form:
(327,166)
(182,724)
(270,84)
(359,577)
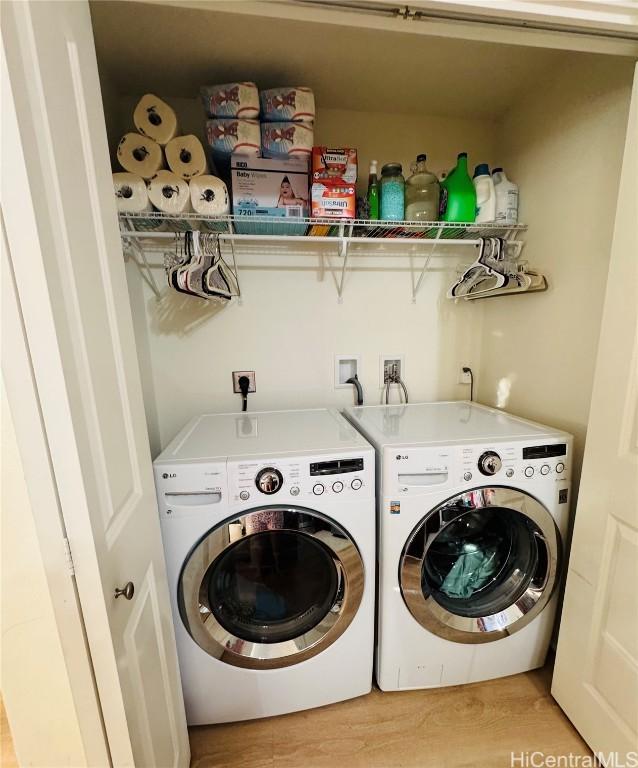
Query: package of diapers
(231,100)
(296,104)
(228,135)
(286,139)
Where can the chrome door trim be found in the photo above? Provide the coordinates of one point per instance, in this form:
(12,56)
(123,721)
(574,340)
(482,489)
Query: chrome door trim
(463,629)
(212,637)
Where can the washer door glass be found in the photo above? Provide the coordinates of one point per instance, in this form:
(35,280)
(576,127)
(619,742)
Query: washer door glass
(481,565)
(271,588)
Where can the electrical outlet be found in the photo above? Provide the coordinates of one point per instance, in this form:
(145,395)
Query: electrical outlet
(391,365)
(252,387)
(464,377)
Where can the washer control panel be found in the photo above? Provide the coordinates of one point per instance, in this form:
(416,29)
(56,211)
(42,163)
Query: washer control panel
(414,471)
(301,479)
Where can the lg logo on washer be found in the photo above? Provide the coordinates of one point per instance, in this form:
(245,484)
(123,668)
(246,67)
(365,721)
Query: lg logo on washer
(399,457)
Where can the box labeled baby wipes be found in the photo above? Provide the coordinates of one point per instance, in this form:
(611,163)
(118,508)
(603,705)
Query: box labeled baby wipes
(269,187)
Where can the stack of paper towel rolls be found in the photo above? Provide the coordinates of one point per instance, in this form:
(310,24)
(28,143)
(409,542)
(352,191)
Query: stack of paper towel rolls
(146,183)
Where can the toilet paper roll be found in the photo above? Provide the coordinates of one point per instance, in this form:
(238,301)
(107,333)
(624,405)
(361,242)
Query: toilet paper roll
(286,139)
(169,193)
(209,196)
(156,119)
(226,136)
(185,156)
(287,104)
(131,194)
(139,154)
(231,100)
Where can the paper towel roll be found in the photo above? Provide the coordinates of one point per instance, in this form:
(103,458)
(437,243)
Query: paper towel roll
(286,139)
(169,193)
(209,196)
(155,118)
(288,104)
(139,154)
(231,100)
(185,156)
(131,194)
(226,136)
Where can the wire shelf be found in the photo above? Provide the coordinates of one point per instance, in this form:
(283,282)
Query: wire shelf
(242,237)
(248,227)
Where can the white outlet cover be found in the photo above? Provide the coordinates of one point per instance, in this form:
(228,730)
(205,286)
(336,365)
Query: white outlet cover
(383,358)
(346,366)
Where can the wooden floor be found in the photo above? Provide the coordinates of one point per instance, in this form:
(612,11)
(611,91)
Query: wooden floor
(7,755)
(472,726)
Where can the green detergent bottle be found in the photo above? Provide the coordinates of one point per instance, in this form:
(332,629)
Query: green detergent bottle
(460,193)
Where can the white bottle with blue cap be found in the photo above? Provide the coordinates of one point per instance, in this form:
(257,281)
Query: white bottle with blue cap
(485,194)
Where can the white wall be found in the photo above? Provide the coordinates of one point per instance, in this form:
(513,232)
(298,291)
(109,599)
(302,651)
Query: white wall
(290,326)
(563,145)
(45,726)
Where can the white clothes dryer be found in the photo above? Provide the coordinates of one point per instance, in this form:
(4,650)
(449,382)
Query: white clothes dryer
(473,515)
(268,523)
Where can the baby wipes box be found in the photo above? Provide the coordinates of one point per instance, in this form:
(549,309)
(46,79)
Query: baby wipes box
(271,187)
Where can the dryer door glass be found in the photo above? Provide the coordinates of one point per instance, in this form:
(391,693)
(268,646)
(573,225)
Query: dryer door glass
(481,565)
(271,588)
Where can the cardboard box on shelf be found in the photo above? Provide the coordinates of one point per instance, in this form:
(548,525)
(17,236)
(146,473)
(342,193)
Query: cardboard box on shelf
(334,164)
(264,186)
(333,200)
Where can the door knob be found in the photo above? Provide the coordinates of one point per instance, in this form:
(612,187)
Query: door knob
(128,591)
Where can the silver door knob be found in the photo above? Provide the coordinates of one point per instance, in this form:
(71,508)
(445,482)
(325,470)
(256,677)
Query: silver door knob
(128,591)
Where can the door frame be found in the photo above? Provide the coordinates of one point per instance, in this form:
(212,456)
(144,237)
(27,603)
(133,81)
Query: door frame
(35,453)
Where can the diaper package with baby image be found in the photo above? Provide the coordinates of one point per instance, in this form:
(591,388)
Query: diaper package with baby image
(269,187)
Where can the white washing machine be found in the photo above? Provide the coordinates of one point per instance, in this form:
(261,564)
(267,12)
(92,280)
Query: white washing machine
(268,523)
(473,513)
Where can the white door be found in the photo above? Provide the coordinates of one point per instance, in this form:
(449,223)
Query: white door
(63,237)
(596,673)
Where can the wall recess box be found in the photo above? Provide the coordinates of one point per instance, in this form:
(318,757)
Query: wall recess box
(346,366)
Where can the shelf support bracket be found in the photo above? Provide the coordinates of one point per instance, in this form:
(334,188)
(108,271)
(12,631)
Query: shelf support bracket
(426,264)
(139,257)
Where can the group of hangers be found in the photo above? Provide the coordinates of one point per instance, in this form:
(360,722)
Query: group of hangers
(493,274)
(198,268)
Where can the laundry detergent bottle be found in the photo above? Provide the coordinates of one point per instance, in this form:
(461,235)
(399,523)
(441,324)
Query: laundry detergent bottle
(485,194)
(506,193)
(460,204)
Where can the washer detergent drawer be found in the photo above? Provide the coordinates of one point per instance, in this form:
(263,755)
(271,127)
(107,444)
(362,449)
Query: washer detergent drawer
(413,471)
(185,490)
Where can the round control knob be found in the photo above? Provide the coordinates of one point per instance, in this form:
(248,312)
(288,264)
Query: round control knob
(294,491)
(489,463)
(337,487)
(244,495)
(529,471)
(269,480)
(560,467)
(545,469)
(509,472)
(318,489)
(356,484)
(467,476)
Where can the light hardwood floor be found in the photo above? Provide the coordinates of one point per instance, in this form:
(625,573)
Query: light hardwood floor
(7,755)
(473,726)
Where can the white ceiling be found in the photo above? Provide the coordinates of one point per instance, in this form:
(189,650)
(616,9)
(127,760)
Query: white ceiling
(173,50)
